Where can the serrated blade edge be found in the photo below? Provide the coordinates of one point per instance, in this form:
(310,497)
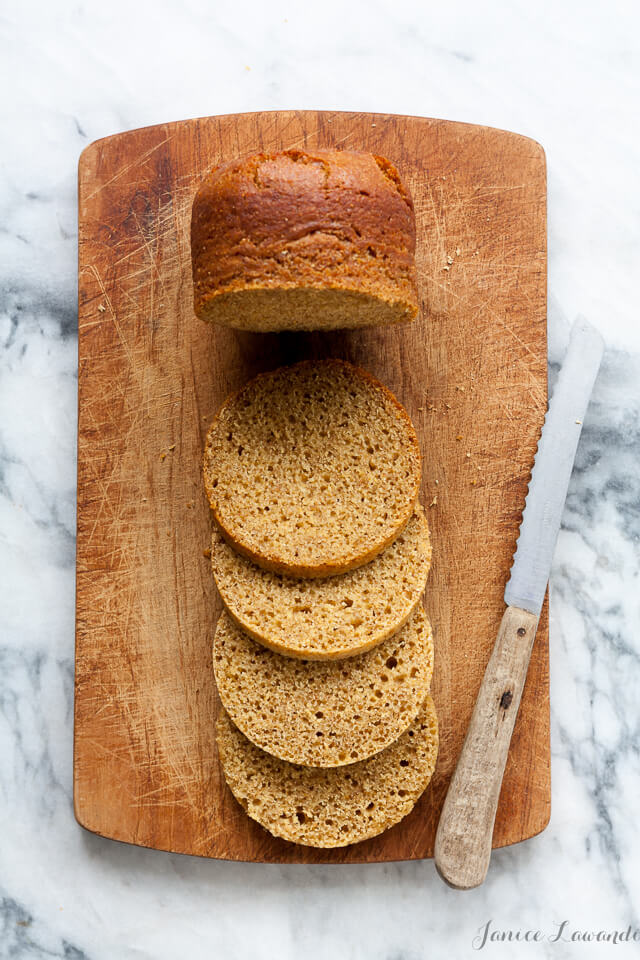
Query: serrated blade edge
(552,467)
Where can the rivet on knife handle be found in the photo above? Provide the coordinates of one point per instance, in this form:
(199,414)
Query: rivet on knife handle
(465,831)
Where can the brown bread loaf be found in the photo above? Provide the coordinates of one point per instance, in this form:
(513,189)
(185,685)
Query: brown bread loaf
(298,240)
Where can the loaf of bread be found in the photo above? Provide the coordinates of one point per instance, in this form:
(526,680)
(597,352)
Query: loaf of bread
(328,617)
(336,806)
(312,470)
(304,241)
(324,714)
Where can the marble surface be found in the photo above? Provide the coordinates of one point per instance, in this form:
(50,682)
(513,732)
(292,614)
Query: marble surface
(567,74)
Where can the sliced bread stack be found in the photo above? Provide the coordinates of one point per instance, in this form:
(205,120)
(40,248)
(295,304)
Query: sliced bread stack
(323,654)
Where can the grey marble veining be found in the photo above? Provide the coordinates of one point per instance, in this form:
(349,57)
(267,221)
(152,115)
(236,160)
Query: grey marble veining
(568,75)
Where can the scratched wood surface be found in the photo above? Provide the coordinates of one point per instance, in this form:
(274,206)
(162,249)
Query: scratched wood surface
(472,373)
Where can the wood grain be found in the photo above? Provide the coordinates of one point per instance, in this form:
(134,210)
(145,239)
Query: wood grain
(462,849)
(472,373)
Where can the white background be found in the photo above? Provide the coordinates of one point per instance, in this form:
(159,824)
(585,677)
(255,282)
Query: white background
(565,73)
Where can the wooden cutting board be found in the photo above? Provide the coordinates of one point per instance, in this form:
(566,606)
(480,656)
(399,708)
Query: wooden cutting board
(472,373)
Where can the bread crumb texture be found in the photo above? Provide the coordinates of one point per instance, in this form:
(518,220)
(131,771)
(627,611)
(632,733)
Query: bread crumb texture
(298,240)
(328,617)
(337,806)
(324,714)
(312,470)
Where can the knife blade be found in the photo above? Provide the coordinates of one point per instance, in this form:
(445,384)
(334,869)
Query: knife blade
(552,469)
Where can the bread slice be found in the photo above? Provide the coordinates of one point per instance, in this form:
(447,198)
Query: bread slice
(337,806)
(331,617)
(304,241)
(324,714)
(312,470)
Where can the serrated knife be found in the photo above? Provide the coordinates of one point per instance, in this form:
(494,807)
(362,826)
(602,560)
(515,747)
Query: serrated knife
(463,839)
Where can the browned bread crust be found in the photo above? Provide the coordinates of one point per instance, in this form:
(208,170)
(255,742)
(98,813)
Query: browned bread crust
(319,239)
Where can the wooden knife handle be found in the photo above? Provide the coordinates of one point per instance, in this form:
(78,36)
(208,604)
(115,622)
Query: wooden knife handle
(463,840)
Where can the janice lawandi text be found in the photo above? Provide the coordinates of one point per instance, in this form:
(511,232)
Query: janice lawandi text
(563,932)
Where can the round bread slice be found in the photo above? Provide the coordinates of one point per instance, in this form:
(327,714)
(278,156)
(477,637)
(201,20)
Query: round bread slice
(331,807)
(312,470)
(304,241)
(331,617)
(324,714)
